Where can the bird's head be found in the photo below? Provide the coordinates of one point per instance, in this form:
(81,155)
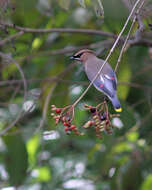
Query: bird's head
(82,55)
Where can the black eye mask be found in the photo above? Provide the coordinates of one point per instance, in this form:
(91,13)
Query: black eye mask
(76,57)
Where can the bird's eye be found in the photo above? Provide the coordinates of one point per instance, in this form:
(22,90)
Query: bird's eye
(78,56)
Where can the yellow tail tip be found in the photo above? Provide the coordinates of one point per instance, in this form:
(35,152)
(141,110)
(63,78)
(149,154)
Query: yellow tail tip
(118,110)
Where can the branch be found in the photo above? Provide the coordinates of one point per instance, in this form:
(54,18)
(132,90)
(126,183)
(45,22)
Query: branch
(2,42)
(67,30)
(59,30)
(45,107)
(8,58)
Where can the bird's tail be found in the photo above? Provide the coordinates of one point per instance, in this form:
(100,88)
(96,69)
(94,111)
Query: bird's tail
(116,104)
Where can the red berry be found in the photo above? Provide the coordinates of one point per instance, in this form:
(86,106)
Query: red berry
(66,129)
(58,110)
(72,127)
(66,124)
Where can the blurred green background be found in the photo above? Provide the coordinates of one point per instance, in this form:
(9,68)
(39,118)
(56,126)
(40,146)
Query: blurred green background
(37,155)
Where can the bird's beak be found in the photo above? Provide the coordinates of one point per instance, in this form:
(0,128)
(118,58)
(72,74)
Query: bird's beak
(72,57)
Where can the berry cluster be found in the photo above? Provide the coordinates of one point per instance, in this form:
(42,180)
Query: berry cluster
(100,119)
(64,117)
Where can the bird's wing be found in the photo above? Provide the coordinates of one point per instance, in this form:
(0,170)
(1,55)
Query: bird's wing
(111,76)
(104,87)
(106,81)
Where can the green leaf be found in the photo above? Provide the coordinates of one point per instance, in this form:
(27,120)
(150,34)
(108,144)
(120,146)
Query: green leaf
(147,184)
(37,42)
(43,174)
(16,159)
(132,136)
(32,146)
(122,147)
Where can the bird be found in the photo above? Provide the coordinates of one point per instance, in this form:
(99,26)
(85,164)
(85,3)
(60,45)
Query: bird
(106,81)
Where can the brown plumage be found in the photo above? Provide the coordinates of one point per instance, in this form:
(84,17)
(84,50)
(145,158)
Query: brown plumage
(106,82)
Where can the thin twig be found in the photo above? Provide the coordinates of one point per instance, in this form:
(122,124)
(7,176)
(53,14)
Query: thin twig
(45,108)
(12,37)
(124,45)
(112,49)
(11,60)
(128,35)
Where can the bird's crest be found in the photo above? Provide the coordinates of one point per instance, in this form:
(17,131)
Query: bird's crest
(81,52)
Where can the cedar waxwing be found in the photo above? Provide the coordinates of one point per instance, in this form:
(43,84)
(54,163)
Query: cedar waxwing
(106,82)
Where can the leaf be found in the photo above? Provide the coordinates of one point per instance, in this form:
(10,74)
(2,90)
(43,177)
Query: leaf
(32,146)
(64,4)
(37,42)
(122,147)
(147,184)
(98,7)
(16,159)
(132,136)
(44,174)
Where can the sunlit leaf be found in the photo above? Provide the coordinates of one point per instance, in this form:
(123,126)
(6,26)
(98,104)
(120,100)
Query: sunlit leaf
(147,184)
(36,43)
(32,146)
(42,174)
(132,136)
